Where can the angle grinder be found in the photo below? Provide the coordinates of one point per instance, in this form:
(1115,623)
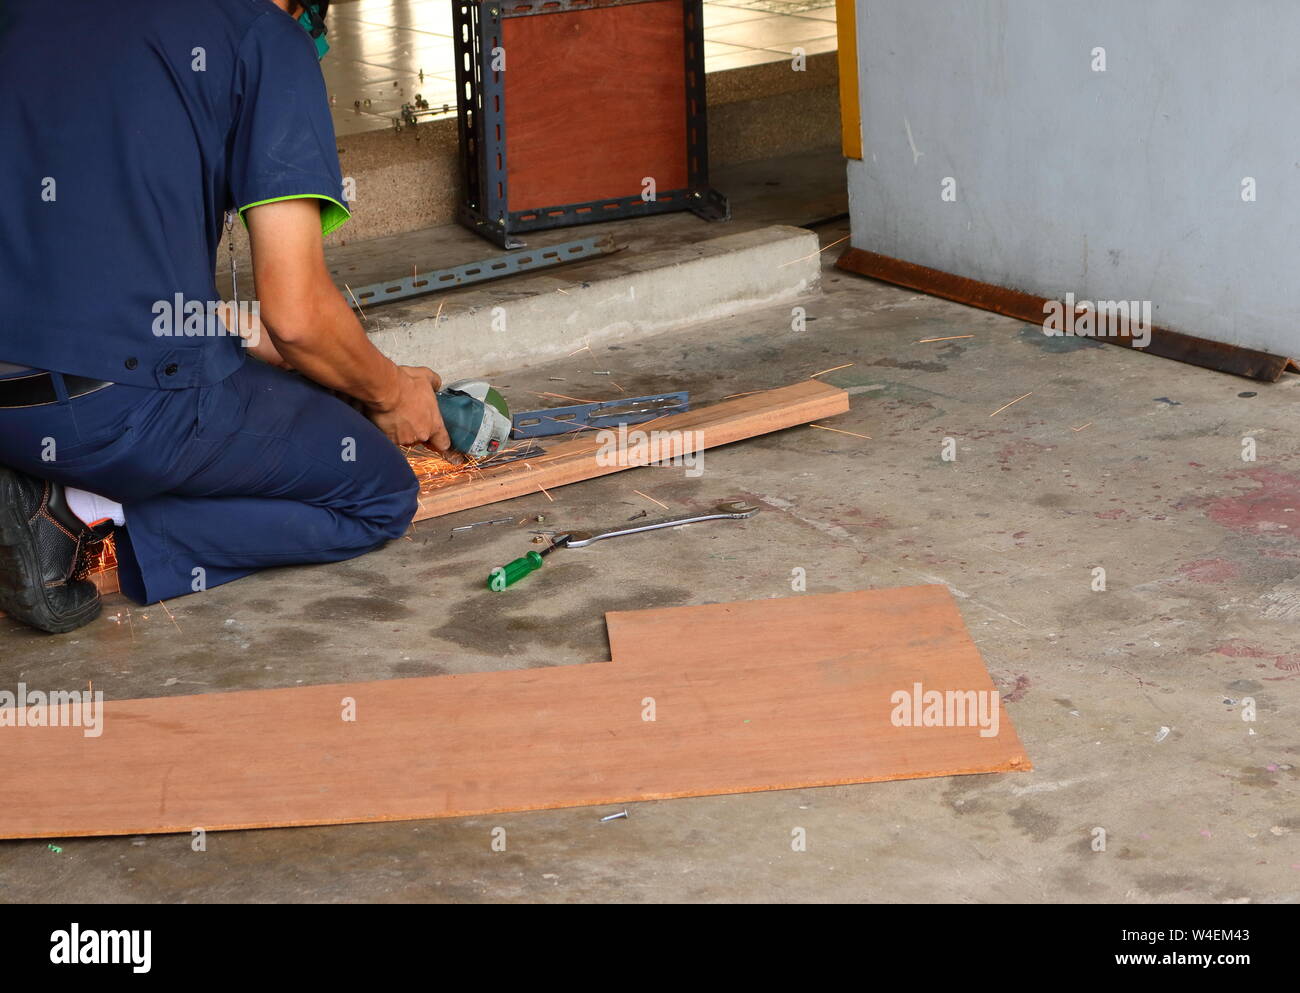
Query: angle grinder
(476,417)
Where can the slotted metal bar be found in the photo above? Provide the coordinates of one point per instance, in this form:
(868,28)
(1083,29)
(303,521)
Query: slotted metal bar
(509,264)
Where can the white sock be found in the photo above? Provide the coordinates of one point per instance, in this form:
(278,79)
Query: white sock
(92,508)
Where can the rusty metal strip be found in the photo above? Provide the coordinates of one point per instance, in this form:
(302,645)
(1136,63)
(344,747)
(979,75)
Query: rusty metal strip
(1216,355)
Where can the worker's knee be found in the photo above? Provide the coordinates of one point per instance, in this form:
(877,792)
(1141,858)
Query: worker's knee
(390,515)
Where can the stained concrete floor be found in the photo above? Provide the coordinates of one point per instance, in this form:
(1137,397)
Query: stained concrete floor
(1116,460)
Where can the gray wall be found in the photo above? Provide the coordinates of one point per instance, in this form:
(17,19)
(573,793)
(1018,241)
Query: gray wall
(1123,184)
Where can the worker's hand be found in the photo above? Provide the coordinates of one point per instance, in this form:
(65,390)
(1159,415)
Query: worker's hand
(412,416)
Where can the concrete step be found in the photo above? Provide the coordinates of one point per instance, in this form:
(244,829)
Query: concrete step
(534,318)
(672,269)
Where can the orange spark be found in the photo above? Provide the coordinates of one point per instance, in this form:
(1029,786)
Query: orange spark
(357,302)
(650,498)
(834,369)
(105,559)
(802,257)
(838,431)
(163,604)
(1006,405)
(561,396)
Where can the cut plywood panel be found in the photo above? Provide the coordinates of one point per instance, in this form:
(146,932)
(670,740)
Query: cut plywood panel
(744,699)
(870,644)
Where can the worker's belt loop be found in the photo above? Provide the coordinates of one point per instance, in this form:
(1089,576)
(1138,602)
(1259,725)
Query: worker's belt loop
(60,387)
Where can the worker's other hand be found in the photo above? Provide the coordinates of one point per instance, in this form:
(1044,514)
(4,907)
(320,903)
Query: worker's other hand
(265,350)
(412,416)
(249,327)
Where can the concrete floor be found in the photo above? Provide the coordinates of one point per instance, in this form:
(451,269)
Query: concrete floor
(1117,459)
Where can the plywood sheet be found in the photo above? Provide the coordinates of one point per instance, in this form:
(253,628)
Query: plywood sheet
(869,643)
(595,101)
(744,700)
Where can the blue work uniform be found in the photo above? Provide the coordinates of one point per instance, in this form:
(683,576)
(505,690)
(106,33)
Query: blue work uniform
(127,130)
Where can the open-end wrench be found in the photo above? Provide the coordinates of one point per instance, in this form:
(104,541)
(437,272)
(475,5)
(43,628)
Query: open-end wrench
(511,573)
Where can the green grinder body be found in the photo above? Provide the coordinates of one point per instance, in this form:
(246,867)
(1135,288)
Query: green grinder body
(476,418)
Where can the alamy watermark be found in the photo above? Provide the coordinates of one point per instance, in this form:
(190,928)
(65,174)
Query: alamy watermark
(1099,319)
(102,947)
(59,708)
(919,707)
(182,318)
(637,447)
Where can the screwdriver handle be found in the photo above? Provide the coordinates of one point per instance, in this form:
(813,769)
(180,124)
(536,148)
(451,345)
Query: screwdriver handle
(509,574)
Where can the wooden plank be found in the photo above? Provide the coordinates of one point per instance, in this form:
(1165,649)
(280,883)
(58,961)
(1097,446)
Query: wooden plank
(572,135)
(679,434)
(575,460)
(770,694)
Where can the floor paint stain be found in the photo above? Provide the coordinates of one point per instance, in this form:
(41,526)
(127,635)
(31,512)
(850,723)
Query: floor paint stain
(1236,649)
(1210,571)
(1056,344)
(1018,691)
(1020,450)
(1273,506)
(916,365)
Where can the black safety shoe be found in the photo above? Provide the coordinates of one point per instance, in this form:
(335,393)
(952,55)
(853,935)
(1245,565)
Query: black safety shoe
(44,552)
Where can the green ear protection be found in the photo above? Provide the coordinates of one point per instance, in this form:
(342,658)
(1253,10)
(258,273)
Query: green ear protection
(313,22)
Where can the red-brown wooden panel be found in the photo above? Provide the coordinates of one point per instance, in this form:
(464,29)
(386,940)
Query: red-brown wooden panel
(594,102)
(758,695)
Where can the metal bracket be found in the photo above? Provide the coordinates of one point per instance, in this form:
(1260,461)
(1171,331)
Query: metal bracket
(710,205)
(486,269)
(594,416)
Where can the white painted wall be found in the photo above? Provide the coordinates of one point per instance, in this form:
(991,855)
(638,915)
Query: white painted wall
(1122,184)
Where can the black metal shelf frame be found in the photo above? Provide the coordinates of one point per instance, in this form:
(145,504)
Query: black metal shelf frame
(481,123)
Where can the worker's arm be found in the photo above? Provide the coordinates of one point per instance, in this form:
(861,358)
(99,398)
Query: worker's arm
(314,330)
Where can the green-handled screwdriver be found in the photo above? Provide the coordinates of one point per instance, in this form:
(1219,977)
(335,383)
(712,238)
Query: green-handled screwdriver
(511,573)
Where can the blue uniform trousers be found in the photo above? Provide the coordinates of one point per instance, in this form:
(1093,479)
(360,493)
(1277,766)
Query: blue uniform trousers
(261,469)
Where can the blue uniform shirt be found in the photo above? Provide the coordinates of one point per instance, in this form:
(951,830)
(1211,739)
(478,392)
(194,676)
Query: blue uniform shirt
(127,129)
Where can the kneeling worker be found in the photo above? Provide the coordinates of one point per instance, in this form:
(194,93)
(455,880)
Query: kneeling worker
(127,132)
